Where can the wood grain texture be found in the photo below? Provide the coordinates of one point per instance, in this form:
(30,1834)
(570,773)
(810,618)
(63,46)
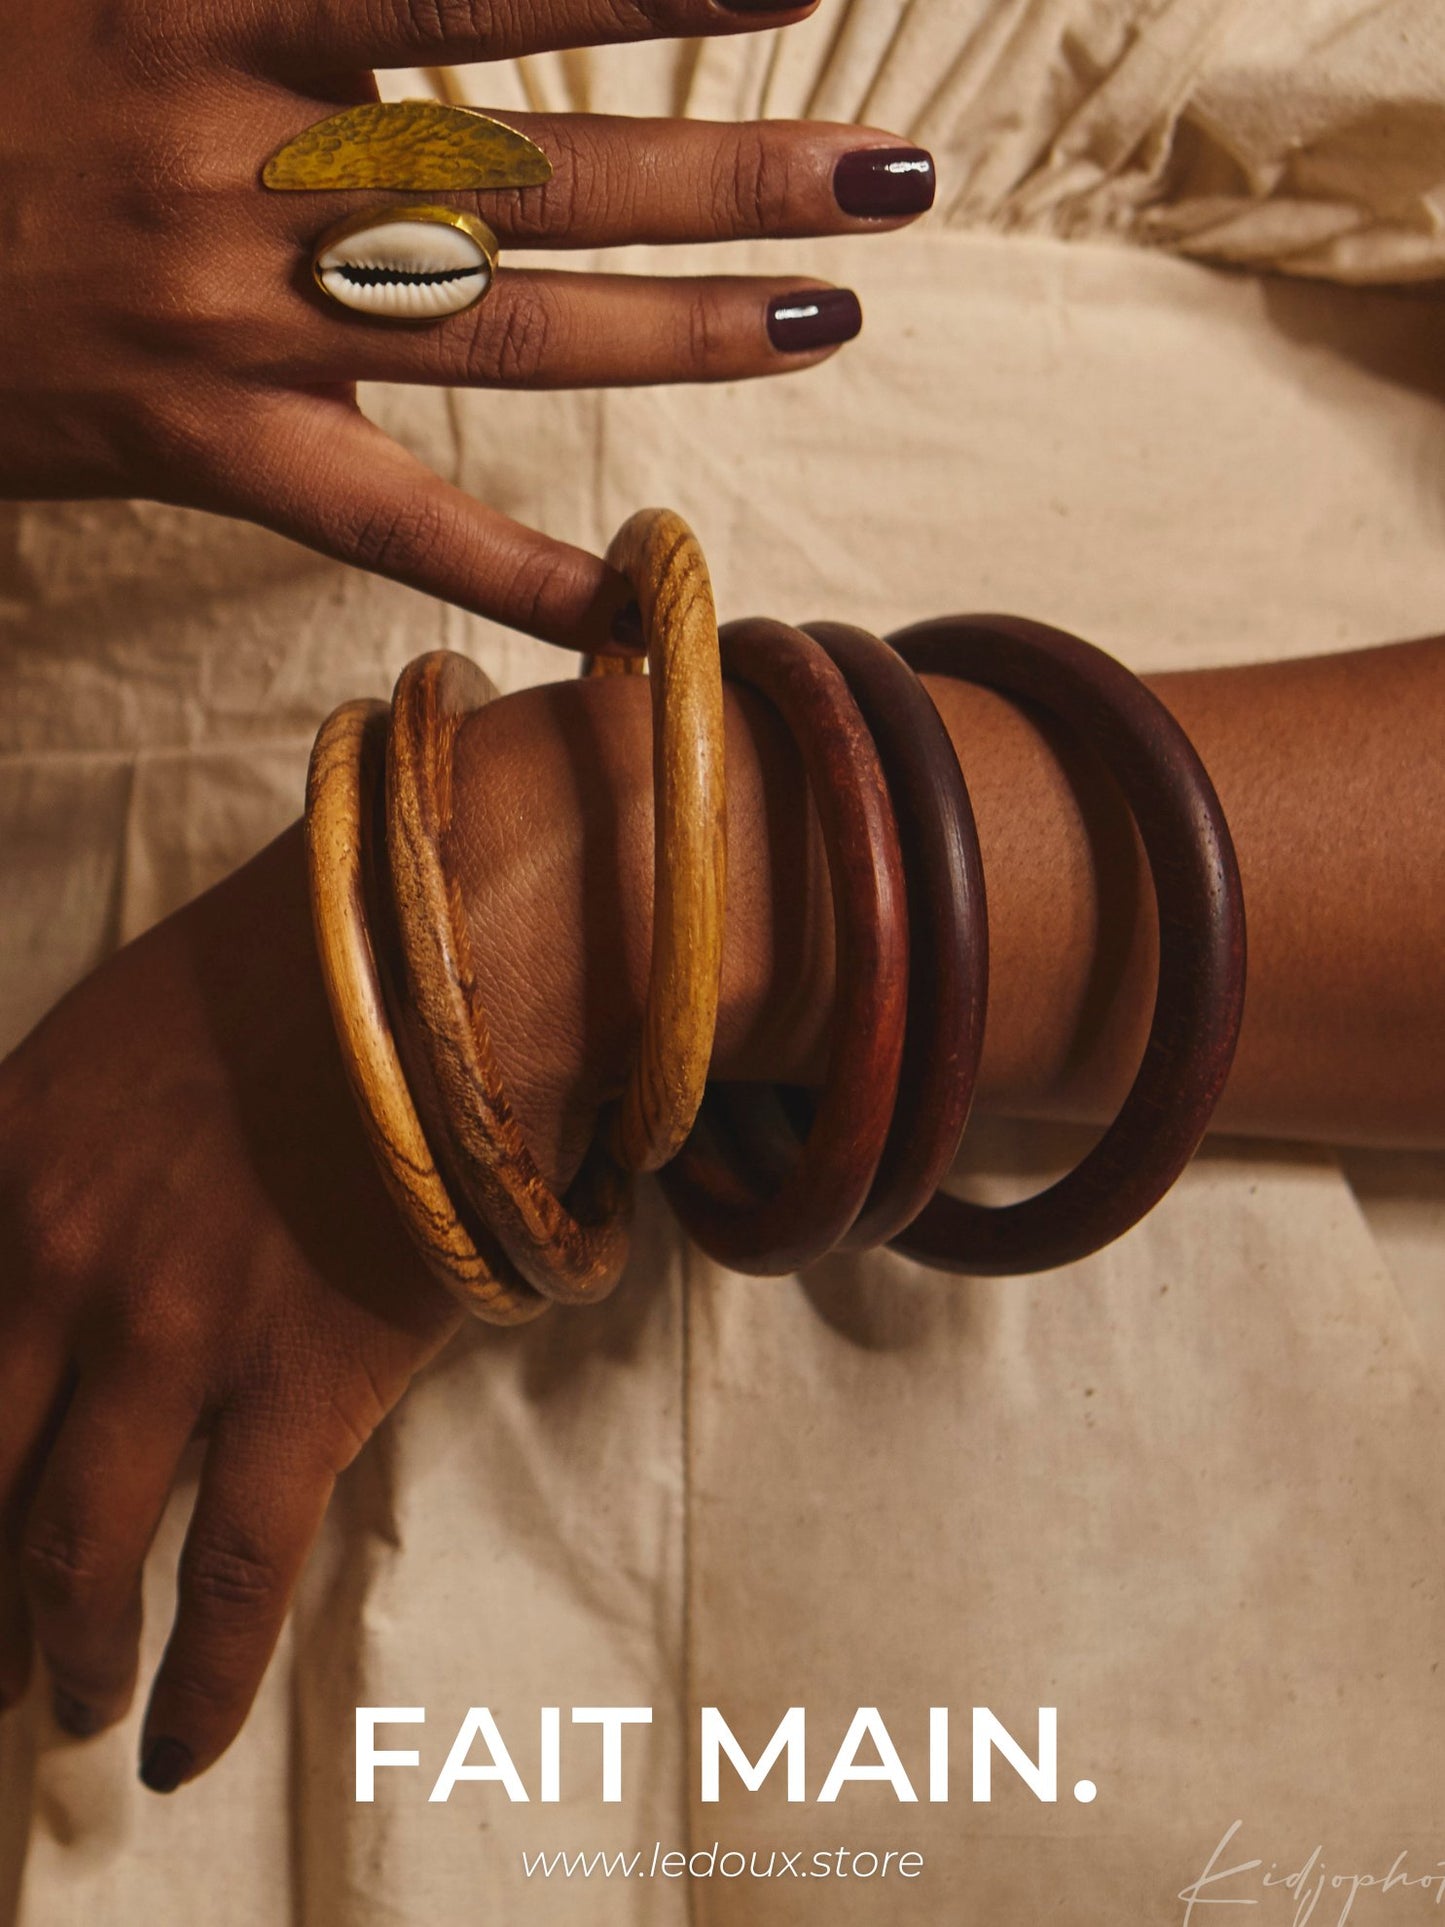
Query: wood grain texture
(778,1227)
(422,146)
(1199,1001)
(660,556)
(947,936)
(343,784)
(573,1250)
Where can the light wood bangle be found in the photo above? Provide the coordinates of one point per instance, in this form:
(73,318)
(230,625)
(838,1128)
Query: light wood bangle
(660,556)
(571,1250)
(342,786)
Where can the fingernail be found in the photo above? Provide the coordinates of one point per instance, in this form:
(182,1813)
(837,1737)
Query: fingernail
(165,1765)
(883,183)
(761,6)
(73,1716)
(813,318)
(627,629)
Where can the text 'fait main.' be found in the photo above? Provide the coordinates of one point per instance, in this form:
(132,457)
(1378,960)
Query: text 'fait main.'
(866,1753)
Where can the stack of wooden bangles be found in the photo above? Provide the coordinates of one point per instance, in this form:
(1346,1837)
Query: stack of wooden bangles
(764,1181)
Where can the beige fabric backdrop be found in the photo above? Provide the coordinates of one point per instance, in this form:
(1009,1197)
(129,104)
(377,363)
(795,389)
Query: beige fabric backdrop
(1188,1492)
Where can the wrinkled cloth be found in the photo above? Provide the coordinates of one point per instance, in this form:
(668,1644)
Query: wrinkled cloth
(1186,1492)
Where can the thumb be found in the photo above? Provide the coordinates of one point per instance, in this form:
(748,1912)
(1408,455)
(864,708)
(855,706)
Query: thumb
(315,469)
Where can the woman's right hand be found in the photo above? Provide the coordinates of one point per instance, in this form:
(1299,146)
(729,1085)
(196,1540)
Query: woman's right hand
(160,336)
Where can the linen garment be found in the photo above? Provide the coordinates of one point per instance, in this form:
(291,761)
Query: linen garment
(1187,1492)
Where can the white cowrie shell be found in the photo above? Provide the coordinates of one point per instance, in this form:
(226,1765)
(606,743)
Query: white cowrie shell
(407,264)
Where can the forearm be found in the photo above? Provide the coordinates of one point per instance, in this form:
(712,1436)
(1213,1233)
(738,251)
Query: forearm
(1331,776)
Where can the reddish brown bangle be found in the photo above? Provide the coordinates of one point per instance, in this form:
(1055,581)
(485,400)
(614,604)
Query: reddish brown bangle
(571,1250)
(1200,996)
(756,1228)
(947,938)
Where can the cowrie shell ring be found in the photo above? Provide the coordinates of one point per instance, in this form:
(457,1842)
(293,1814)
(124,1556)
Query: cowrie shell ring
(407,263)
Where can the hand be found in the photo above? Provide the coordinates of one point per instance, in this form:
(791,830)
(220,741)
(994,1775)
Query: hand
(194,1239)
(159,335)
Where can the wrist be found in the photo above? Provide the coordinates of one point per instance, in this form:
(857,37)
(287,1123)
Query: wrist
(554,857)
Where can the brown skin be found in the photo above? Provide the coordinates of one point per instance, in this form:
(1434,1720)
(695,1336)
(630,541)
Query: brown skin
(1331,777)
(160,335)
(196,1239)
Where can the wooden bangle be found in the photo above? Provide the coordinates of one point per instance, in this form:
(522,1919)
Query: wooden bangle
(343,787)
(947,935)
(660,556)
(573,1250)
(1200,996)
(718,1199)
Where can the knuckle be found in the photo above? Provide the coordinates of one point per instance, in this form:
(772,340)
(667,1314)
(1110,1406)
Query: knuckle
(558,207)
(513,349)
(158,1334)
(753,189)
(396,536)
(170,181)
(439,22)
(529,594)
(61,1568)
(167,178)
(230,1575)
(48,1215)
(430,20)
(707,334)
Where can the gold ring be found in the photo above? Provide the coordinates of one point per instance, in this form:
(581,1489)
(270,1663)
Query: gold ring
(419,146)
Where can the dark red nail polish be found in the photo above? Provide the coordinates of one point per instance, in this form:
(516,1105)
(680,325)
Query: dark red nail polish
(73,1716)
(762,6)
(885,183)
(166,1764)
(813,318)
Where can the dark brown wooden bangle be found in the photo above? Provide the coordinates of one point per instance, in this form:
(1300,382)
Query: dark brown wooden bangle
(718,1198)
(1200,996)
(947,938)
(571,1251)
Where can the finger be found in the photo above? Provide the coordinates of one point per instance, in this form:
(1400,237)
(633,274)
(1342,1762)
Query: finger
(556,330)
(311,467)
(95,1512)
(619,182)
(338,35)
(261,1501)
(34,1388)
(314,469)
